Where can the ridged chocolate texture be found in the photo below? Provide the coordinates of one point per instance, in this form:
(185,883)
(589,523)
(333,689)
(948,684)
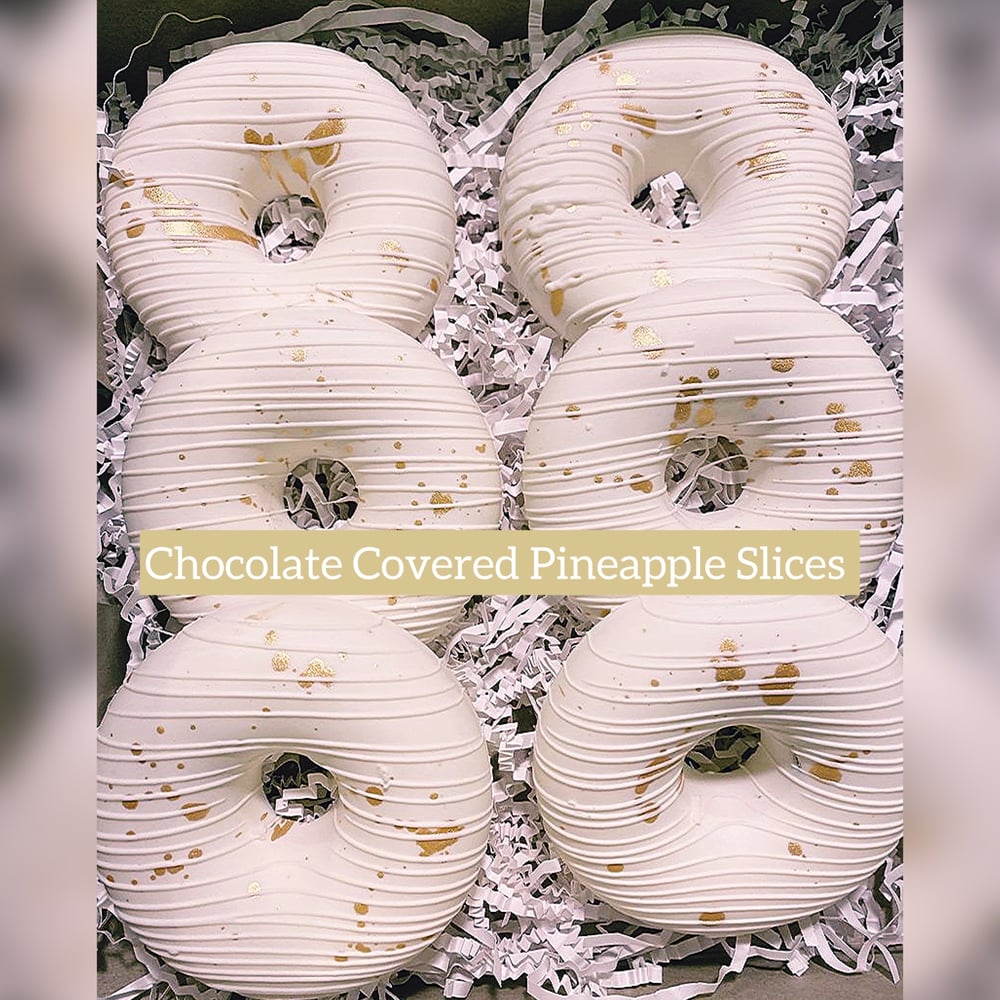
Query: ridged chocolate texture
(224,136)
(751,136)
(200,867)
(803,822)
(220,431)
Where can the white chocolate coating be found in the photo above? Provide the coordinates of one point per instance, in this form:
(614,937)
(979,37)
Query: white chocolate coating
(226,135)
(210,878)
(220,431)
(809,404)
(754,140)
(806,819)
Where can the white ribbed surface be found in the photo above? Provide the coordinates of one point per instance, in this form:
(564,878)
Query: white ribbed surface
(752,137)
(810,405)
(222,428)
(200,867)
(805,820)
(250,123)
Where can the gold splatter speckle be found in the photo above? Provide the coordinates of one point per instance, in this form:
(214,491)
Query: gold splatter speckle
(795,848)
(265,106)
(642,485)
(826,773)
(616,868)
(567,472)
(636,114)
(767,163)
(661,278)
(254,138)
(195,810)
(327,153)
(832,491)
(653,770)
(616,149)
(654,683)
(340,958)
(253,889)
(711,917)
(713,372)
(246,501)
(782,364)
(281,828)
(785,674)
(195,852)
(644,337)
(401,465)
(625,80)
(429,847)
(442,502)
(763,453)
(573,409)
(705,414)
(374,795)
(726,112)
(361,908)
(362,947)
(280,661)
(434,795)
(563,128)
(317,668)
(845,426)
(134,229)
(392,601)
(556,299)
(859,470)
(271,637)
(130,804)
(795,453)
(730,673)
(564,107)
(391,250)
(834,408)
(298,354)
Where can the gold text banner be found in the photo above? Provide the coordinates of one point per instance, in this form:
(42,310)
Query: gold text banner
(455,561)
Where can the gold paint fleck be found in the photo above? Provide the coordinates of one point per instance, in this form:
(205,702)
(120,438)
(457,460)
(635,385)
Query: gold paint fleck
(434,795)
(442,502)
(433,284)
(271,637)
(429,847)
(281,828)
(845,426)
(340,958)
(731,673)
(616,149)
(832,491)
(391,250)
(782,364)
(795,848)
(253,889)
(362,947)
(711,917)
(573,143)
(788,103)
(195,810)
(826,773)
(833,408)
(380,874)
(598,479)
(392,601)
(567,472)
(859,470)
(795,453)
(374,795)
(653,770)
(625,80)
(326,154)
(246,501)
(136,750)
(704,415)
(317,668)
(654,683)
(751,402)
(130,804)
(661,278)
(642,119)
(713,372)
(565,106)
(573,409)
(556,298)
(643,336)
(767,163)
(401,465)
(564,128)
(616,868)
(726,112)
(195,852)
(481,448)
(763,453)
(883,524)
(298,354)
(134,229)
(642,486)
(160,729)
(361,908)
(280,662)
(785,674)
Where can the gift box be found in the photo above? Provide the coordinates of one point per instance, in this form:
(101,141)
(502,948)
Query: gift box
(471,69)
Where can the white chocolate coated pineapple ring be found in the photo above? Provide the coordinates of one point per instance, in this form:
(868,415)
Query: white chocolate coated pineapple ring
(752,137)
(222,428)
(228,134)
(207,875)
(804,821)
(809,404)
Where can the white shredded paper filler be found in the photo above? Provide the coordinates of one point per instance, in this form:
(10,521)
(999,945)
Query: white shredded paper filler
(527,919)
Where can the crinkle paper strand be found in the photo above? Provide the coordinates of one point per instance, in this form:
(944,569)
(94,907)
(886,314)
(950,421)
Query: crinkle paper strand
(527,918)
